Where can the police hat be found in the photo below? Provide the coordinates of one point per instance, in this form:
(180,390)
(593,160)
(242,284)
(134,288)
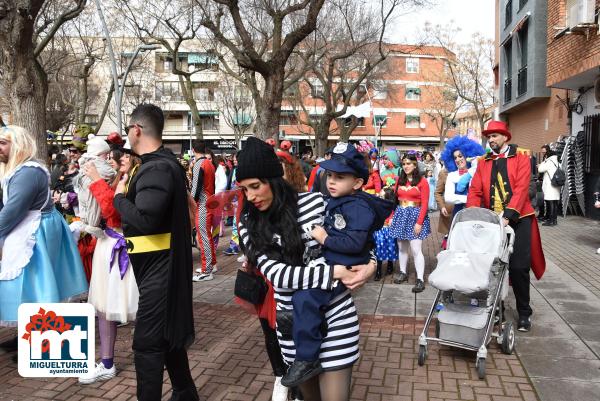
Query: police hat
(346,159)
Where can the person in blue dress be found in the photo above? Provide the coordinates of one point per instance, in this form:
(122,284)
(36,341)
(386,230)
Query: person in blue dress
(40,260)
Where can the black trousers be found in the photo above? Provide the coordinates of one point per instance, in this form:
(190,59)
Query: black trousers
(273,349)
(551,210)
(520,263)
(151,350)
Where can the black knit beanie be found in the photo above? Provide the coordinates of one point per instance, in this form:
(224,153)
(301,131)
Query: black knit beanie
(257,160)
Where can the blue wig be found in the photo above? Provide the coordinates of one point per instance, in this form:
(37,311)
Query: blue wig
(468,147)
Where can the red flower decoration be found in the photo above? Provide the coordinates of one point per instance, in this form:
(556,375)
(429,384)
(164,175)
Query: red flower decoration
(44,321)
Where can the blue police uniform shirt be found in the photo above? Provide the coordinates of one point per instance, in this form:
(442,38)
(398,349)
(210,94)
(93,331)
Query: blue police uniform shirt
(349,222)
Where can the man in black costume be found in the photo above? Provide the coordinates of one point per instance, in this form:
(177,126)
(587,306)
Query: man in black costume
(156,226)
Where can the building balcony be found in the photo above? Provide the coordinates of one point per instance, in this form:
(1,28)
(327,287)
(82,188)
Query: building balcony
(507,90)
(522,81)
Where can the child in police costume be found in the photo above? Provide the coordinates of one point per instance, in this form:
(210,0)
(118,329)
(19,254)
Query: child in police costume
(351,218)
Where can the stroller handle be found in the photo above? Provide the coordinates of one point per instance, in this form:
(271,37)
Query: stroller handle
(508,230)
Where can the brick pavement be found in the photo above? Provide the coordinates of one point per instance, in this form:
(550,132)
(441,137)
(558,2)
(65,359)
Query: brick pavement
(229,362)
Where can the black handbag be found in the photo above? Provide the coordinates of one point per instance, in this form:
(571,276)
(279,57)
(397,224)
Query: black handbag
(250,287)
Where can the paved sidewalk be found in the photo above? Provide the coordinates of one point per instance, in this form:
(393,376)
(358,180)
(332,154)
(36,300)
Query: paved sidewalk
(228,362)
(558,360)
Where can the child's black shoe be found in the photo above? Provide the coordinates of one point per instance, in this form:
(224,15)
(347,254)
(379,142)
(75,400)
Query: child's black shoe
(301,371)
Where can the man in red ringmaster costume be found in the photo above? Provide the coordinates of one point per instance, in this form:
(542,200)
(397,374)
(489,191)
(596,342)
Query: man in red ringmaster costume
(501,183)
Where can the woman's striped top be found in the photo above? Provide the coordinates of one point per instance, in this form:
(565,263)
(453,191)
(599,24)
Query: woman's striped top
(340,346)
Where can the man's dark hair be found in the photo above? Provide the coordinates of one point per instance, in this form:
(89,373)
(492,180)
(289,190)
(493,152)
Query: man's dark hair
(199,146)
(151,118)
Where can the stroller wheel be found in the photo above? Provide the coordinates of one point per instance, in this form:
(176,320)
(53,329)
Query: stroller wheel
(422,354)
(508,338)
(480,365)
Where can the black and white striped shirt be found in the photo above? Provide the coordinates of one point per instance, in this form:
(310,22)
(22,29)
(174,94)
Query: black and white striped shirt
(339,348)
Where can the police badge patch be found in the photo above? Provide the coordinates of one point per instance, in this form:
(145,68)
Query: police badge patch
(339,222)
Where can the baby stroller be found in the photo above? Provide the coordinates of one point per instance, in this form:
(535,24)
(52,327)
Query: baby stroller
(472,280)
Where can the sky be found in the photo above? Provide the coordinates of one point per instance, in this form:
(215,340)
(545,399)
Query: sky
(470,15)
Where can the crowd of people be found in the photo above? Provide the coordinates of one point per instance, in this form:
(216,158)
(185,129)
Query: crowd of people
(116,219)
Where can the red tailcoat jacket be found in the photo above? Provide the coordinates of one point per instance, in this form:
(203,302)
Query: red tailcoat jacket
(518,165)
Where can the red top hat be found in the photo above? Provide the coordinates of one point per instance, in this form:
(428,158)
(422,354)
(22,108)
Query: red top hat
(497,127)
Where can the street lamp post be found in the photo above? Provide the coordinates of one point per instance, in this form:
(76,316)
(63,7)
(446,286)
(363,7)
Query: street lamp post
(119,87)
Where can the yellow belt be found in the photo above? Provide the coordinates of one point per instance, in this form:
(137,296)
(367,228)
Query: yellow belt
(405,203)
(148,243)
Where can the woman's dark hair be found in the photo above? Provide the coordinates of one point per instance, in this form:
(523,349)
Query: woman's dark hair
(280,219)
(549,152)
(213,158)
(425,154)
(116,154)
(60,160)
(416,174)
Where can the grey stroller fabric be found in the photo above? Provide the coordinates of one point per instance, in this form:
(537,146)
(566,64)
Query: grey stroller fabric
(465,272)
(476,240)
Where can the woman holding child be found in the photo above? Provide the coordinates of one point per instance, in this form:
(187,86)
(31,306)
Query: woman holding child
(275,228)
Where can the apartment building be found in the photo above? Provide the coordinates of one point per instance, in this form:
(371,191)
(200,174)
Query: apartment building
(535,112)
(396,108)
(573,54)
(396,113)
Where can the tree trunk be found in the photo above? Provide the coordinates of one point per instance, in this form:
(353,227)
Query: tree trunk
(187,89)
(27,92)
(23,77)
(83,95)
(321,136)
(269,109)
(196,122)
(346,132)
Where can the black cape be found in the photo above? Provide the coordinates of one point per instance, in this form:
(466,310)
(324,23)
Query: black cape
(156,203)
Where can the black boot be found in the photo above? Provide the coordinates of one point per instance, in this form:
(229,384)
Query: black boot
(378,272)
(390,268)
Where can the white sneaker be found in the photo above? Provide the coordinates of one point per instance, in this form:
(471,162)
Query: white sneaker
(598,251)
(241,259)
(203,277)
(213,270)
(280,392)
(100,373)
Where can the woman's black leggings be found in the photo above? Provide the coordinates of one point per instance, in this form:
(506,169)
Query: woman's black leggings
(273,349)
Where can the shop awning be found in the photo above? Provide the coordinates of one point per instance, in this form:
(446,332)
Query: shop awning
(362,110)
(208,113)
(201,58)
